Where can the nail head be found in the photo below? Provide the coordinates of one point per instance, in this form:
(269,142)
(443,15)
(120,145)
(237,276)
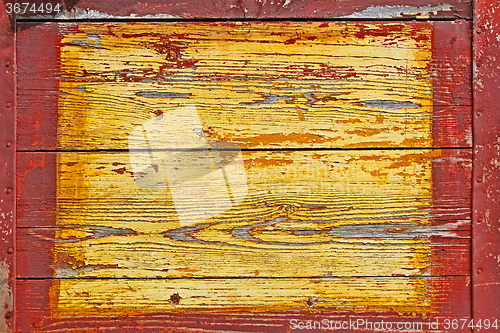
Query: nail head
(7,63)
(479,30)
(479,114)
(478,64)
(8,314)
(8,144)
(479,180)
(479,271)
(10,250)
(8,191)
(479,220)
(8,105)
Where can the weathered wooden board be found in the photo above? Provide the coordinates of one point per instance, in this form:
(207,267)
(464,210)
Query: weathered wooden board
(126,296)
(7,174)
(455,290)
(248,9)
(258,85)
(365,201)
(486,247)
(349,205)
(374,213)
(446,252)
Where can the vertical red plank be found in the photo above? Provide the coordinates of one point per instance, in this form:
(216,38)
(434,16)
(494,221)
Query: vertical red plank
(7,174)
(486,174)
(38,67)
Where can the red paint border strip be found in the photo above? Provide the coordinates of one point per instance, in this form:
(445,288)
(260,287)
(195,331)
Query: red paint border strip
(486,173)
(7,171)
(252,9)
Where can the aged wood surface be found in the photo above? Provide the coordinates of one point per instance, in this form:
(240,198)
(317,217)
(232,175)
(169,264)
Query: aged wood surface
(259,85)
(157,256)
(486,212)
(248,9)
(371,215)
(7,174)
(360,294)
(348,207)
(39,319)
(367,202)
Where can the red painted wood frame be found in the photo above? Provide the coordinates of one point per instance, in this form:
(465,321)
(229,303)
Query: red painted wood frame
(7,173)
(486,188)
(486,172)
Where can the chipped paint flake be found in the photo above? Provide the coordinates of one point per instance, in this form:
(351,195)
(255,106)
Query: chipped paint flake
(89,14)
(386,12)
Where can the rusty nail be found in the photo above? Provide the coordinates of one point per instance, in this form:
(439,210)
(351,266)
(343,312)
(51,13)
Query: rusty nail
(479,271)
(7,63)
(479,114)
(8,191)
(10,250)
(8,105)
(478,64)
(479,220)
(8,314)
(8,144)
(175,299)
(479,30)
(479,180)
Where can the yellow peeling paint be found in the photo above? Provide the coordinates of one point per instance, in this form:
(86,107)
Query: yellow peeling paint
(297,190)
(117,297)
(257,86)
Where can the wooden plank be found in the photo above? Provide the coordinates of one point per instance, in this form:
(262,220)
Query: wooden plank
(113,297)
(7,173)
(355,185)
(247,9)
(357,221)
(38,67)
(360,97)
(367,200)
(486,248)
(43,253)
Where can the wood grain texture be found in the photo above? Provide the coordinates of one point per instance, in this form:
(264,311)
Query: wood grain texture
(43,254)
(39,319)
(7,174)
(119,296)
(288,89)
(486,175)
(372,214)
(320,231)
(213,9)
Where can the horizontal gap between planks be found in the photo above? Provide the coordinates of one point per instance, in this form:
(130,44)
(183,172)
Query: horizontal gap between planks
(223,19)
(246,149)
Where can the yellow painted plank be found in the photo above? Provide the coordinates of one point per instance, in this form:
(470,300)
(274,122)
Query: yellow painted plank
(311,208)
(123,296)
(259,85)
(296,187)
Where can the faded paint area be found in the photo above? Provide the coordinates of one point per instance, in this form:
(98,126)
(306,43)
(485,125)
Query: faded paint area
(258,85)
(386,12)
(118,296)
(90,14)
(6,297)
(307,214)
